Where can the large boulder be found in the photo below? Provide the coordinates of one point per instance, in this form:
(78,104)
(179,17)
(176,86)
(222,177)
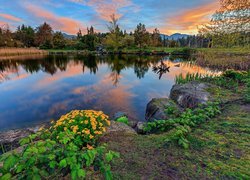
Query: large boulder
(191,94)
(161,109)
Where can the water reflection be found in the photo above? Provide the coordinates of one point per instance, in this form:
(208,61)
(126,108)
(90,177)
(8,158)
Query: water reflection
(36,90)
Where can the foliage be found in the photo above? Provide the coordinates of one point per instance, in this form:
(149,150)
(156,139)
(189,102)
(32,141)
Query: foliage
(58,40)
(229,79)
(229,25)
(69,146)
(141,35)
(123,119)
(181,126)
(181,79)
(44,36)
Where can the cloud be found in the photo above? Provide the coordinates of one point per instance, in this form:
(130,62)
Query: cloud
(189,20)
(61,23)
(105,8)
(10,17)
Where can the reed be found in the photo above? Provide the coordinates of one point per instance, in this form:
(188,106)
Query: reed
(20,51)
(182,79)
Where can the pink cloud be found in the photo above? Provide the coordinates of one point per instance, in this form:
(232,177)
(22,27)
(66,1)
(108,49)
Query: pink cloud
(105,8)
(10,17)
(61,23)
(189,20)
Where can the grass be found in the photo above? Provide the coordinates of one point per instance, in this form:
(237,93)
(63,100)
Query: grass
(20,51)
(219,149)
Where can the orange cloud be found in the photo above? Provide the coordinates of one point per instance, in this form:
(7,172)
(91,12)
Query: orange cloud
(105,8)
(10,17)
(57,22)
(188,21)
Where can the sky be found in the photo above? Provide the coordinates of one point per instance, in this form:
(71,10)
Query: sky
(169,16)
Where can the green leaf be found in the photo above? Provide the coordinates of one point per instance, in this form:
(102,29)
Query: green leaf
(63,163)
(81,173)
(24,141)
(6,177)
(109,156)
(51,156)
(52,164)
(19,168)
(10,162)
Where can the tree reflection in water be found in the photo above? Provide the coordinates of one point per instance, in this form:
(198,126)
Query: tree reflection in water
(60,63)
(161,69)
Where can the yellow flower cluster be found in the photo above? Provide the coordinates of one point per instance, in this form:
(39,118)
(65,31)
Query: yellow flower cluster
(87,123)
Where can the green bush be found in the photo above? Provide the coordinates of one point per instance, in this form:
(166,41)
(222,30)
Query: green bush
(123,119)
(68,147)
(180,127)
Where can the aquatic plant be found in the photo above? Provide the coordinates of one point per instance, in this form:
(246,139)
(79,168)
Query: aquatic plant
(181,79)
(68,147)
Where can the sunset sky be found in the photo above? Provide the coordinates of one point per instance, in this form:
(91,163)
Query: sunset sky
(170,16)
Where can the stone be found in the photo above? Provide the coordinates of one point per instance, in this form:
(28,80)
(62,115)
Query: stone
(191,94)
(119,114)
(120,127)
(157,109)
(139,128)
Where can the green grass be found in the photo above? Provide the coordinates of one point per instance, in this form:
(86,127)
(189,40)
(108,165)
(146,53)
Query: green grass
(219,149)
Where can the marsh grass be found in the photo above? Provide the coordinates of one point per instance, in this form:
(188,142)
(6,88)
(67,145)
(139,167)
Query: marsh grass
(182,79)
(20,51)
(223,60)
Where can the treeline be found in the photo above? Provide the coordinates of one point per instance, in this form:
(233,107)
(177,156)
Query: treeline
(116,39)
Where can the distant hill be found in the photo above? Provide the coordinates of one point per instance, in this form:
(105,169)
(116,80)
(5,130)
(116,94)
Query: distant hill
(174,36)
(68,36)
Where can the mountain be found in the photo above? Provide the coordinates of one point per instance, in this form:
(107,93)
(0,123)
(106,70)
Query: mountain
(68,36)
(174,36)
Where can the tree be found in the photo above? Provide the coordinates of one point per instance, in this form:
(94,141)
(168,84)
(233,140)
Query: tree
(44,36)
(230,25)
(58,40)
(156,38)
(25,34)
(141,36)
(114,38)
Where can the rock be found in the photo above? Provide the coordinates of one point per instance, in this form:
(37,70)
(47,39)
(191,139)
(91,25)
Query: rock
(10,139)
(157,109)
(119,114)
(139,128)
(120,127)
(191,94)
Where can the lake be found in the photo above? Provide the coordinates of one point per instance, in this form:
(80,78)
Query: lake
(37,89)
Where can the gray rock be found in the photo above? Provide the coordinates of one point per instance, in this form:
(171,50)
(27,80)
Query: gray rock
(120,127)
(191,94)
(139,128)
(10,139)
(119,114)
(157,109)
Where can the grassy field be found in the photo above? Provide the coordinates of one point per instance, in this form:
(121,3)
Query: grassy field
(20,51)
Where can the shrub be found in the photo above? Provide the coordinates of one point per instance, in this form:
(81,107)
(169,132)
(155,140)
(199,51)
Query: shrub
(123,119)
(69,146)
(179,127)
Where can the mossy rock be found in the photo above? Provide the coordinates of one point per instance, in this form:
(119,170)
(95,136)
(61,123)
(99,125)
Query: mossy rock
(162,109)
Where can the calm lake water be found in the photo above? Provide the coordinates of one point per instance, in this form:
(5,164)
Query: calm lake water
(38,89)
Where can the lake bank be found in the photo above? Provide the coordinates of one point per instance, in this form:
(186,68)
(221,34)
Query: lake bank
(217,146)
